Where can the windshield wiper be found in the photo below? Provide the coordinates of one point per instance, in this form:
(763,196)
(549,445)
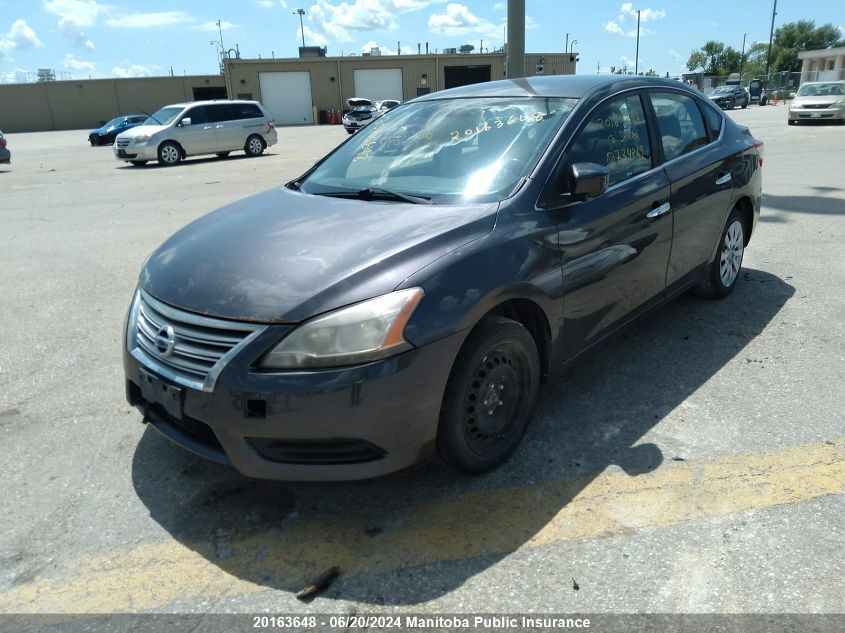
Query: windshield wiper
(371,193)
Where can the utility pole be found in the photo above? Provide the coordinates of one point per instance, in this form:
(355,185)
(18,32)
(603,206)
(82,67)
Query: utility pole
(771,34)
(300,13)
(566,48)
(742,58)
(637,56)
(516,39)
(220,30)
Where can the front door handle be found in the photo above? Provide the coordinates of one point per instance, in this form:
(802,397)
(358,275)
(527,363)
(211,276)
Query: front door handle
(721,180)
(659,210)
(207,127)
(218,126)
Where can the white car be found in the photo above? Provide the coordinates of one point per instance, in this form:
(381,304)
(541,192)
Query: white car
(203,127)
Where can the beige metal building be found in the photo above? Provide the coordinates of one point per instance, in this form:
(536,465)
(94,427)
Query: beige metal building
(71,105)
(293,89)
(823,65)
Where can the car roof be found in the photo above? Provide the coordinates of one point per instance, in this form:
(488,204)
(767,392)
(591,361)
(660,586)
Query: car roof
(208,102)
(575,86)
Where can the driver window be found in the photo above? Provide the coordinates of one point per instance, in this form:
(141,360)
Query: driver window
(196,115)
(615,136)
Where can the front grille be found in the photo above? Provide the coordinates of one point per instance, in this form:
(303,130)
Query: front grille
(817,106)
(185,347)
(317,452)
(123,142)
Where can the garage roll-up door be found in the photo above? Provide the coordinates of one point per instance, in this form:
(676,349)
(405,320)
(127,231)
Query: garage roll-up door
(379,84)
(287,97)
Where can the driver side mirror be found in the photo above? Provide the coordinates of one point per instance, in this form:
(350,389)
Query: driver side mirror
(185,122)
(587,180)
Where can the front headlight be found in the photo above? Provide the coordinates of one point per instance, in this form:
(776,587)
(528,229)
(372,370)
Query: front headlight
(359,333)
(143,138)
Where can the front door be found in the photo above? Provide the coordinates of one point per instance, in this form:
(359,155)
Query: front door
(198,137)
(615,246)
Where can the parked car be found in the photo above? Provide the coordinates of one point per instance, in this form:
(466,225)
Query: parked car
(387,104)
(409,293)
(818,101)
(729,97)
(757,92)
(363,112)
(202,127)
(5,154)
(106,133)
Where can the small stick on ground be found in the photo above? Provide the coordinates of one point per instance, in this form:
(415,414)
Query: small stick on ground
(318,584)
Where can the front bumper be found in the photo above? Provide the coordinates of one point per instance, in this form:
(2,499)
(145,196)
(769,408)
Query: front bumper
(142,151)
(326,425)
(817,114)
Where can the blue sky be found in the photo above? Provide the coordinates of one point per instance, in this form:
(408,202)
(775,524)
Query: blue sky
(129,38)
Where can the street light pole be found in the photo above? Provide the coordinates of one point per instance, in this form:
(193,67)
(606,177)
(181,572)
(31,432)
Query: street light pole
(742,58)
(771,34)
(301,12)
(516,39)
(637,55)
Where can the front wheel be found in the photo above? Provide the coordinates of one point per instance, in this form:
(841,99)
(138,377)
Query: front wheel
(490,396)
(169,154)
(222,154)
(254,146)
(722,273)
(744,105)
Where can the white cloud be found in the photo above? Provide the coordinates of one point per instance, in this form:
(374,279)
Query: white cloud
(149,20)
(499,6)
(674,55)
(458,20)
(212,26)
(134,70)
(312,37)
(335,21)
(646,15)
(89,45)
(75,16)
(14,76)
(385,50)
(269,4)
(20,36)
(612,27)
(70,61)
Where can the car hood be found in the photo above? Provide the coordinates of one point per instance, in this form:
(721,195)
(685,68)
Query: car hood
(721,95)
(138,130)
(822,100)
(284,256)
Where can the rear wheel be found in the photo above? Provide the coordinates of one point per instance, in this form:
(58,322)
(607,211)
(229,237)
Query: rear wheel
(254,145)
(222,154)
(138,163)
(723,271)
(490,396)
(350,131)
(169,154)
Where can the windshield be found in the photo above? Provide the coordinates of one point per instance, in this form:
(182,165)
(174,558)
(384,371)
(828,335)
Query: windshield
(723,90)
(833,88)
(113,122)
(165,116)
(448,150)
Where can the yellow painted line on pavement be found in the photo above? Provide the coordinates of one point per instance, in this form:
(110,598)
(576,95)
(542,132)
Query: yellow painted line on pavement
(153,575)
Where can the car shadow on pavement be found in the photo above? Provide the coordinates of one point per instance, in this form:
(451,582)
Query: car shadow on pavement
(192,161)
(814,204)
(420,534)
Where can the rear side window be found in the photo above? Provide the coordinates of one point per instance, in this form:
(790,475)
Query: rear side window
(714,121)
(680,124)
(247,111)
(615,136)
(219,112)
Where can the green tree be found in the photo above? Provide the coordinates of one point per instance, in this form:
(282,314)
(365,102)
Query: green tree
(803,35)
(714,58)
(755,60)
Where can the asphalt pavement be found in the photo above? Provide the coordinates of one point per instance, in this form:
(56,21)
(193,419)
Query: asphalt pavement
(695,463)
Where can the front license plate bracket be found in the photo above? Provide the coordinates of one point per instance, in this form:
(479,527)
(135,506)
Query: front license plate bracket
(156,391)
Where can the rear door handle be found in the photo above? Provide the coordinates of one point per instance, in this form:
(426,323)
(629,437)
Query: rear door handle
(721,180)
(659,210)
(207,127)
(218,126)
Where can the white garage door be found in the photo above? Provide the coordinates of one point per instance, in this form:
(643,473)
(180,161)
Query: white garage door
(380,84)
(287,97)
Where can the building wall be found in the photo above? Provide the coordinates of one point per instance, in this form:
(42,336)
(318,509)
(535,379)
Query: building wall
(71,105)
(332,78)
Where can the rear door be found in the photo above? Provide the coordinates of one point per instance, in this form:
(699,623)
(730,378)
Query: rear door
(240,120)
(615,246)
(699,168)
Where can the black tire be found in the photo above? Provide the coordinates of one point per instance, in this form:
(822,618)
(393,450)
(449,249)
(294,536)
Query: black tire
(744,105)
(716,283)
(496,375)
(254,146)
(350,131)
(790,122)
(222,154)
(169,154)
(138,163)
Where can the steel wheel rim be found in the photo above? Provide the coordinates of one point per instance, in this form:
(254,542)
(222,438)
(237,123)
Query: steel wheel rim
(494,399)
(255,146)
(169,154)
(730,259)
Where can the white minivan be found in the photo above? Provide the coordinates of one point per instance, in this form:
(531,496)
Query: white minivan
(202,127)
